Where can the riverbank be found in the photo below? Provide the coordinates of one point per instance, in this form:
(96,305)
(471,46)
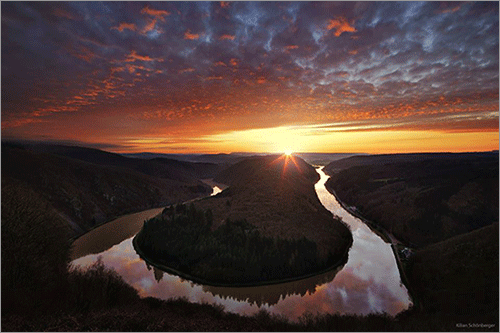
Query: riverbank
(123,229)
(388,238)
(111,233)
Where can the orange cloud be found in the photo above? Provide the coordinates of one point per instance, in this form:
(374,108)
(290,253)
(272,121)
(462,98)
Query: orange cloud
(159,14)
(133,56)
(189,35)
(353,52)
(186,70)
(132,68)
(19,122)
(229,37)
(117,69)
(123,26)
(225,4)
(234,62)
(340,25)
(220,63)
(149,27)
(291,47)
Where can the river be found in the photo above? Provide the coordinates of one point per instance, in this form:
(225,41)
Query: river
(369,282)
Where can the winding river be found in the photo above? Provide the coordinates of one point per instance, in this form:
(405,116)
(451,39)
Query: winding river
(369,282)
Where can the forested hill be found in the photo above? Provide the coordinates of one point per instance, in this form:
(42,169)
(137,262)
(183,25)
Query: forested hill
(88,187)
(268,168)
(420,198)
(269,225)
(169,168)
(276,194)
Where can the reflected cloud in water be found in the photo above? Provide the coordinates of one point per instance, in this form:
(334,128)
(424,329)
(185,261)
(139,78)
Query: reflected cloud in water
(369,282)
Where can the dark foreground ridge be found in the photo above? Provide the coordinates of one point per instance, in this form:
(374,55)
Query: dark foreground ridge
(267,227)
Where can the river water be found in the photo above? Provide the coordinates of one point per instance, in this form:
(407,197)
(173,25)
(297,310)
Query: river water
(369,282)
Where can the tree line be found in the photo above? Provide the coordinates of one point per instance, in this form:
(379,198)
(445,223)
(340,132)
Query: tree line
(182,238)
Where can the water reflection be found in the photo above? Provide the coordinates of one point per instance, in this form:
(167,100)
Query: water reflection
(272,294)
(369,281)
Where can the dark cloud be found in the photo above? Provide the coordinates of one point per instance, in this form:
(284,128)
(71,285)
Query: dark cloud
(336,60)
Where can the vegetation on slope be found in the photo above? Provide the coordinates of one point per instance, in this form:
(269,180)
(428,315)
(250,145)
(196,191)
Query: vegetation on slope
(234,253)
(458,278)
(86,194)
(167,168)
(268,226)
(276,195)
(420,198)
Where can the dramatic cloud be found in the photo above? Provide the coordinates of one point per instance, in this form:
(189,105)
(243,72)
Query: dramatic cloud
(189,35)
(230,37)
(122,26)
(340,25)
(159,14)
(97,72)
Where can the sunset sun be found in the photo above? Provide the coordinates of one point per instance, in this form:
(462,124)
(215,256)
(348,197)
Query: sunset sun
(288,152)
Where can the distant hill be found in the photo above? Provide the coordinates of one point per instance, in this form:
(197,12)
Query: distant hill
(169,168)
(221,159)
(88,187)
(229,159)
(420,198)
(382,159)
(323,158)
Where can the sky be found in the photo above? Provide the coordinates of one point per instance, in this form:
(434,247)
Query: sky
(220,77)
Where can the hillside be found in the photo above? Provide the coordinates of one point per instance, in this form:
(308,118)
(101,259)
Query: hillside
(457,279)
(269,225)
(87,194)
(276,194)
(420,198)
(220,159)
(158,166)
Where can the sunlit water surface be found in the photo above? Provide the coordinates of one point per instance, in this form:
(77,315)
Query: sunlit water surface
(368,283)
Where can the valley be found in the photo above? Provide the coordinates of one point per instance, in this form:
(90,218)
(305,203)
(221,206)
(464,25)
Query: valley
(277,198)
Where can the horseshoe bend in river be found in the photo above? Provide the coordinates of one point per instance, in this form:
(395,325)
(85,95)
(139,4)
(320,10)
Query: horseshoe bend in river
(369,282)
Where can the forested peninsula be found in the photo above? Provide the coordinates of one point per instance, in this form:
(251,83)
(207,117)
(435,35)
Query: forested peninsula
(268,226)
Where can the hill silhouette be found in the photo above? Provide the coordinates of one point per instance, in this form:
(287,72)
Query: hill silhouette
(420,198)
(276,193)
(88,187)
(158,166)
